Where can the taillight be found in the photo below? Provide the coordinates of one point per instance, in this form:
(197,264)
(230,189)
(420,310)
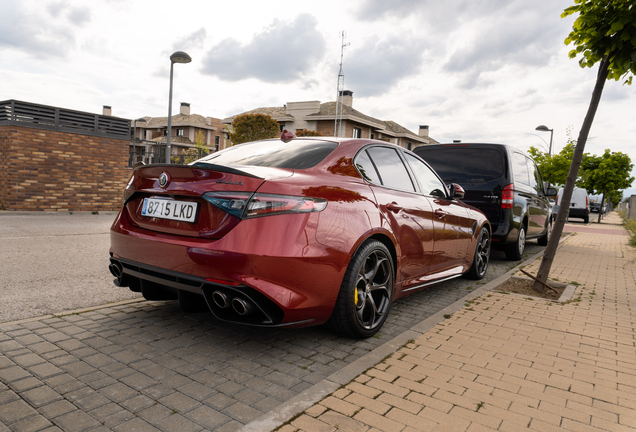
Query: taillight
(507,195)
(245,205)
(556,200)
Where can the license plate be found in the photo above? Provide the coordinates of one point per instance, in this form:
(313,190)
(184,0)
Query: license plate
(167,209)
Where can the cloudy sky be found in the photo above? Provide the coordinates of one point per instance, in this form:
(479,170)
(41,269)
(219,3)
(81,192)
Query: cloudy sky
(474,70)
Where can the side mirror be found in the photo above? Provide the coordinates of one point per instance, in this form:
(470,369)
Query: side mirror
(457,191)
(551,192)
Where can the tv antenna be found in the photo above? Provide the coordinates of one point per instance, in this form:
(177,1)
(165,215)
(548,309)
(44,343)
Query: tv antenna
(337,131)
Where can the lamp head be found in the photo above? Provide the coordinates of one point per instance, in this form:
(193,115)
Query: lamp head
(543,128)
(180,57)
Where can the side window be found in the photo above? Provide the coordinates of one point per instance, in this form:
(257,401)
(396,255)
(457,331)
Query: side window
(430,184)
(391,169)
(537,176)
(520,168)
(532,174)
(366,168)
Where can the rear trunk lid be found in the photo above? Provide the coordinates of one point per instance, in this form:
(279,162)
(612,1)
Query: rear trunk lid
(479,169)
(169,198)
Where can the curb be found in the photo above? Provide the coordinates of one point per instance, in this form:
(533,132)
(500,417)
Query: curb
(71,312)
(305,400)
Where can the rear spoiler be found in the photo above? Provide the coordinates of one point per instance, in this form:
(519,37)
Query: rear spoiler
(205,166)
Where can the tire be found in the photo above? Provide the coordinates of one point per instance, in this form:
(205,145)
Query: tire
(543,241)
(366,293)
(514,251)
(190,302)
(482,256)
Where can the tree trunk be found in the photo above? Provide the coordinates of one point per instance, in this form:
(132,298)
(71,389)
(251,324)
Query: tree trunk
(557,230)
(600,211)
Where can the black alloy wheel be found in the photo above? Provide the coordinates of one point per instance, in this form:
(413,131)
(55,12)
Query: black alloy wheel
(482,256)
(366,292)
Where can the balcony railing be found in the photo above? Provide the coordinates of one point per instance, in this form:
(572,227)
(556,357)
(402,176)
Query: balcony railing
(17,113)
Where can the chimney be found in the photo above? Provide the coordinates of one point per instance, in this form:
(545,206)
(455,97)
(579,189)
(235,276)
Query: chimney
(347,97)
(107,111)
(423,131)
(208,121)
(185,108)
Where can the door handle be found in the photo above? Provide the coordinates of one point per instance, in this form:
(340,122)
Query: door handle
(394,207)
(440,213)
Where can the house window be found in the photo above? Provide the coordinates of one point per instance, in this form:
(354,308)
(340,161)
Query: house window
(282,126)
(372,136)
(180,132)
(357,132)
(217,140)
(409,146)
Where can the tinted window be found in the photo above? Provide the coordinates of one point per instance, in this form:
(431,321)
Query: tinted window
(532,175)
(392,171)
(366,168)
(296,154)
(537,176)
(520,168)
(427,179)
(464,165)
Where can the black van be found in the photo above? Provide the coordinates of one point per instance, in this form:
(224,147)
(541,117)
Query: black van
(504,183)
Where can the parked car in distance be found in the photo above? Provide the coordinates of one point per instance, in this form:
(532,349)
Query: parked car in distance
(579,204)
(296,232)
(504,183)
(595,207)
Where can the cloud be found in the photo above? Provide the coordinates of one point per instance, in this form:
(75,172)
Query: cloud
(40,35)
(193,40)
(375,67)
(284,51)
(79,16)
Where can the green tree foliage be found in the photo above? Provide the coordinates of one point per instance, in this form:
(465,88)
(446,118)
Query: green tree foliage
(307,133)
(607,174)
(604,33)
(253,127)
(554,168)
(605,29)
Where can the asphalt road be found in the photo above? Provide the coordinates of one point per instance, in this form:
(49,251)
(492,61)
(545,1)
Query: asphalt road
(54,262)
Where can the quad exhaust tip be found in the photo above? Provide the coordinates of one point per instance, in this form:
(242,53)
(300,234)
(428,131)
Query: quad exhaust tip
(116,269)
(241,306)
(220,299)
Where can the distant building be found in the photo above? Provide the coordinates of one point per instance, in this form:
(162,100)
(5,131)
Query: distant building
(321,117)
(148,144)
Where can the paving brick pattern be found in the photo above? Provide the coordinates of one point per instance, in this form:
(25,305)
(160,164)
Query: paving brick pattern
(511,363)
(148,366)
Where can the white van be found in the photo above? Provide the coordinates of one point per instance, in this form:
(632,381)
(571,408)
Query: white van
(579,204)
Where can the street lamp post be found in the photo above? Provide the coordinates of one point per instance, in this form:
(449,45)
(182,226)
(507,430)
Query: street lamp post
(135,139)
(177,57)
(544,128)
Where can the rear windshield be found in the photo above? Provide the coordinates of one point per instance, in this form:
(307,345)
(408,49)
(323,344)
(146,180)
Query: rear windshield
(464,165)
(296,154)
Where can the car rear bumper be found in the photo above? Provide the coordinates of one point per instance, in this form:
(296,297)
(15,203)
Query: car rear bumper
(292,280)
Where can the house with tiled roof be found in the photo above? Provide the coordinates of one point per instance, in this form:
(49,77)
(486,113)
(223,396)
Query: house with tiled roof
(150,134)
(321,117)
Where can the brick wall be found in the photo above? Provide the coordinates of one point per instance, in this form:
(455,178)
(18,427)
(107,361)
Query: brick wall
(51,170)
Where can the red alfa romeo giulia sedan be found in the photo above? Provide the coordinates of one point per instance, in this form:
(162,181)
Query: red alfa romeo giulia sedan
(295,232)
